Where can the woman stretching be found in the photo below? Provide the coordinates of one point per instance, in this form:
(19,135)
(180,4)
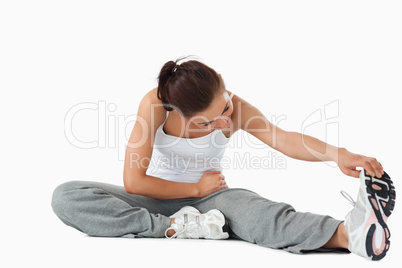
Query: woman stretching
(174,187)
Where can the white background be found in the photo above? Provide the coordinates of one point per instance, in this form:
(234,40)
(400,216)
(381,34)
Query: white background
(288,58)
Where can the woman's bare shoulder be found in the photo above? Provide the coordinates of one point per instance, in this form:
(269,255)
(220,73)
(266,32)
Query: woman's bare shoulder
(243,111)
(151,108)
(239,104)
(152,96)
(151,100)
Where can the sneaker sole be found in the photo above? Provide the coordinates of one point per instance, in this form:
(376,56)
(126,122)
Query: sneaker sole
(381,196)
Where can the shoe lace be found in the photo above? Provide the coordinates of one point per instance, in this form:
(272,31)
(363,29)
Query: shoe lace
(348,197)
(188,227)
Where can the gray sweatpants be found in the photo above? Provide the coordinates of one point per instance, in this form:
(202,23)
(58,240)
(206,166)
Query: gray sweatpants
(100,209)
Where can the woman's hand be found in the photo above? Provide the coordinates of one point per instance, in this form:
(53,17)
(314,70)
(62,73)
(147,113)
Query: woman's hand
(349,161)
(210,182)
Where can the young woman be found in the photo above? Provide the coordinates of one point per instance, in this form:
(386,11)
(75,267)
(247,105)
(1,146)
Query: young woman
(172,167)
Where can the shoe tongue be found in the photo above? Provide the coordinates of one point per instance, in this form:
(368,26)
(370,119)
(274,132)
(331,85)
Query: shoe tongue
(357,215)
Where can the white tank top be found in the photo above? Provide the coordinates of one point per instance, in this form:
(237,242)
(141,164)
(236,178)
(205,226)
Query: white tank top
(185,160)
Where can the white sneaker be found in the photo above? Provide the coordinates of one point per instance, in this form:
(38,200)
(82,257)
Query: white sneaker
(190,223)
(366,224)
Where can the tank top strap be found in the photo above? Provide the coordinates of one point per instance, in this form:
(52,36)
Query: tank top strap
(231,95)
(167,114)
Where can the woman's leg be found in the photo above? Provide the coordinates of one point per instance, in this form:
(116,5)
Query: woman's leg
(339,239)
(270,224)
(100,209)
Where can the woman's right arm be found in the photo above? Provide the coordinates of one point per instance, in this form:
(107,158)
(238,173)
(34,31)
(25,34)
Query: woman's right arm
(139,152)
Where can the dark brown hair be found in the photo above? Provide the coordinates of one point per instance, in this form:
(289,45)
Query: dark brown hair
(189,87)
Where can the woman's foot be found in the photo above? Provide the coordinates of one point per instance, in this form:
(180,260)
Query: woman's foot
(188,222)
(366,225)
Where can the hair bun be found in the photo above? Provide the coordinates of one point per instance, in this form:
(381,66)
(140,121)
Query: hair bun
(191,90)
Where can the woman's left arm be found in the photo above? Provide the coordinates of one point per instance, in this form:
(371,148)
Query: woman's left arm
(304,147)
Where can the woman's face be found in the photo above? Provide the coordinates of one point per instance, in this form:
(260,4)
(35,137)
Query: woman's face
(217,116)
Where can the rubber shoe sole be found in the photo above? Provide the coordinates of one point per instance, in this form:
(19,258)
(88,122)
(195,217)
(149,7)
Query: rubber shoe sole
(381,196)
